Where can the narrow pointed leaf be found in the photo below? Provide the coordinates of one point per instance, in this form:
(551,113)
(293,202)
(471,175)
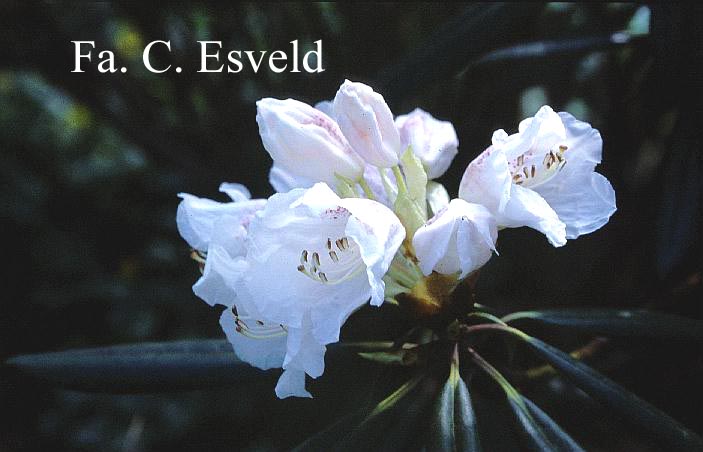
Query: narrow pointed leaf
(453,426)
(441,435)
(531,432)
(556,435)
(465,429)
(620,401)
(147,367)
(617,322)
(373,428)
(328,438)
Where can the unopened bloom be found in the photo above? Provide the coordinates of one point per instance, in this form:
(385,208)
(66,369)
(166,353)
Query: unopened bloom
(305,142)
(433,141)
(460,238)
(543,177)
(367,123)
(311,260)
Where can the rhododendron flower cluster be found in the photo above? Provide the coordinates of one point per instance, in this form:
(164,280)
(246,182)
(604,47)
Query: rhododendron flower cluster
(359,218)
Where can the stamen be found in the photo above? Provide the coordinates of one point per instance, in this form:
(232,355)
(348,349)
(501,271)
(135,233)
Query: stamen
(339,268)
(260,332)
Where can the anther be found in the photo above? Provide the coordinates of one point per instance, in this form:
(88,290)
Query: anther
(333,256)
(323,277)
(316,259)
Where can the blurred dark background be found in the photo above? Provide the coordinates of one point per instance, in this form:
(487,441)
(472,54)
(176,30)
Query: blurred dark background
(91,165)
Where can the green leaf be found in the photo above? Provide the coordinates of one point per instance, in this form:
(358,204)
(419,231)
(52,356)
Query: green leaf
(399,357)
(617,322)
(147,367)
(558,437)
(453,425)
(530,431)
(631,408)
(411,203)
(328,438)
(387,414)
(437,196)
(415,179)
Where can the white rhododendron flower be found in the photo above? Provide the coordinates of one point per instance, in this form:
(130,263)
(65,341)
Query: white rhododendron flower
(305,142)
(543,177)
(433,141)
(460,238)
(290,270)
(311,260)
(367,122)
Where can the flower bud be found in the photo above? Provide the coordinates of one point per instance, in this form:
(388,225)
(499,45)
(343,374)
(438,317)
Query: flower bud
(433,141)
(367,123)
(459,239)
(305,142)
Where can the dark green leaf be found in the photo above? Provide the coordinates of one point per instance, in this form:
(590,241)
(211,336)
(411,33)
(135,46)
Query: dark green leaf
(481,28)
(558,437)
(630,407)
(545,49)
(152,367)
(530,431)
(374,428)
(453,425)
(148,367)
(617,322)
(328,438)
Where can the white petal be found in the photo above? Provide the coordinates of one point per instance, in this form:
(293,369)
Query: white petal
(460,238)
(237,192)
(487,180)
(583,199)
(326,107)
(527,208)
(303,351)
(283,181)
(196,217)
(221,272)
(432,241)
(545,127)
(262,353)
(584,208)
(367,123)
(305,142)
(433,141)
(379,234)
(292,384)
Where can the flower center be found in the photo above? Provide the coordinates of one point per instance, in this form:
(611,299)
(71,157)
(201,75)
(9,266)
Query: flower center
(532,169)
(339,262)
